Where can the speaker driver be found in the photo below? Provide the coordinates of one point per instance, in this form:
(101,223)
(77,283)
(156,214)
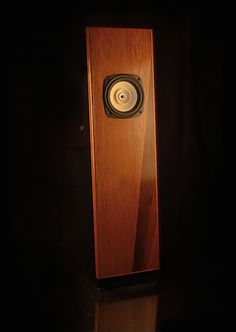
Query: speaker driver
(123,96)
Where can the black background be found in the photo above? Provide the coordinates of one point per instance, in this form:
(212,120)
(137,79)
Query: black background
(51,183)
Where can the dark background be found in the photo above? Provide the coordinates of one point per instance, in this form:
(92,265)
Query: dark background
(51,185)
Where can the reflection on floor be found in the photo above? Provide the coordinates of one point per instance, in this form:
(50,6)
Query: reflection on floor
(52,293)
(133,314)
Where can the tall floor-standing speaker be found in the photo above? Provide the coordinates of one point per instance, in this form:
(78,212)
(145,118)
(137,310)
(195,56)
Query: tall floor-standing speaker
(121,93)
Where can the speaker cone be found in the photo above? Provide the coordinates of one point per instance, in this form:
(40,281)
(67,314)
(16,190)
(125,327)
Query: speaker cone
(123,96)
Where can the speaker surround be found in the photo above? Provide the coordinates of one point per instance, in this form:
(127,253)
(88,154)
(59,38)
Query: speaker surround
(123,96)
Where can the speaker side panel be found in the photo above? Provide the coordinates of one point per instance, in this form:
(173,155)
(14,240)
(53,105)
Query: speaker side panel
(123,153)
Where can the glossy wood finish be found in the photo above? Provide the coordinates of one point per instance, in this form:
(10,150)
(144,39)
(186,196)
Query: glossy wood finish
(123,154)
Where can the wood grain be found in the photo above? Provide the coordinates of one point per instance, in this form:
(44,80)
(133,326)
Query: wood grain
(123,154)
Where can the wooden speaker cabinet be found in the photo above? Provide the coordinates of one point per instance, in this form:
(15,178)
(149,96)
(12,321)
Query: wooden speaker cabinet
(123,150)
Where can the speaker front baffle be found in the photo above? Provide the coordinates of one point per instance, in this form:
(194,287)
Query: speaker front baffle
(123,146)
